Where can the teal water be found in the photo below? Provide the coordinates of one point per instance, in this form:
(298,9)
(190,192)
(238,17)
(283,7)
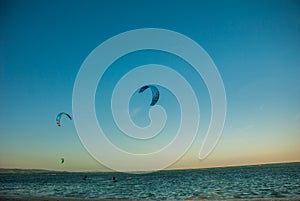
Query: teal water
(266,181)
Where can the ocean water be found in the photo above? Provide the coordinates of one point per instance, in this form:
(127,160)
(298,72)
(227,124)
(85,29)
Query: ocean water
(266,181)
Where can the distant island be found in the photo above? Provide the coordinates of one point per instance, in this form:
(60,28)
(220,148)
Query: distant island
(23,171)
(30,171)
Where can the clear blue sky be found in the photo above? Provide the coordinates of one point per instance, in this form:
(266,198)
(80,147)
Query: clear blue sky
(254,44)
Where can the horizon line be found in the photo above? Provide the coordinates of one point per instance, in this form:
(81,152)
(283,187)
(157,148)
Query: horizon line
(175,169)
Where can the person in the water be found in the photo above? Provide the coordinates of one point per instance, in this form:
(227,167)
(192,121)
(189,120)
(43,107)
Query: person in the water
(114,179)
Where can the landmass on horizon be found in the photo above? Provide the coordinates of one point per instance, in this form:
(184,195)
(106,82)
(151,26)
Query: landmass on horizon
(28,171)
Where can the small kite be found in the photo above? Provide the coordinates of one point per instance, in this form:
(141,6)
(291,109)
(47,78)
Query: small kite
(62,160)
(58,117)
(155,93)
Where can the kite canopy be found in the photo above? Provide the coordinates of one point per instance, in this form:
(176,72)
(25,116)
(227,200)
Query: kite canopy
(155,93)
(62,160)
(58,117)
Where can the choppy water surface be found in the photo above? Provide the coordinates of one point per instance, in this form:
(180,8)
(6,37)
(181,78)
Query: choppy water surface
(267,181)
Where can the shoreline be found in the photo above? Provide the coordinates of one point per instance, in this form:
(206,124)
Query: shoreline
(34,198)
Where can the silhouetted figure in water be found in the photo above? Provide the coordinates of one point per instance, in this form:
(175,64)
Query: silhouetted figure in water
(115,179)
(84,178)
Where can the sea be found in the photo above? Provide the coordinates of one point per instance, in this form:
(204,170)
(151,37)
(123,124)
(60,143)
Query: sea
(245,182)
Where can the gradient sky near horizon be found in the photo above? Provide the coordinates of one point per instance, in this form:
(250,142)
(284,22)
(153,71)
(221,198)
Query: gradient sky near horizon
(254,44)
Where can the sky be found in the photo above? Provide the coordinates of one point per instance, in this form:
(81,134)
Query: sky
(254,44)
